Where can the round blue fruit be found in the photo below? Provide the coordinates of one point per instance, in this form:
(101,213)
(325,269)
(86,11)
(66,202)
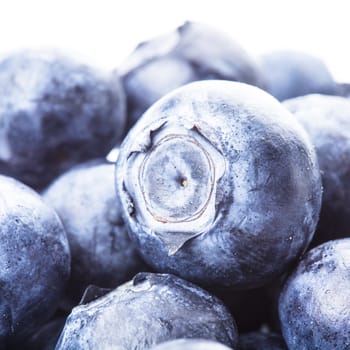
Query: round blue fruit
(150,309)
(101,250)
(290,74)
(314,305)
(220,185)
(326,119)
(194,51)
(34,262)
(55,113)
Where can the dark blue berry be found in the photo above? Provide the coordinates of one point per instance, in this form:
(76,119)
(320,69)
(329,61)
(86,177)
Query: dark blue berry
(34,261)
(194,51)
(290,74)
(327,121)
(102,252)
(314,305)
(220,185)
(55,113)
(150,309)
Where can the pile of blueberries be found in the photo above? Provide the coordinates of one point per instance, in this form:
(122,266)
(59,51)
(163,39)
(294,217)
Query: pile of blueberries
(196,198)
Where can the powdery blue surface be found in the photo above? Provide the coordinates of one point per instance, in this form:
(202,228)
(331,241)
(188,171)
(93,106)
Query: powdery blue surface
(327,121)
(194,51)
(55,113)
(314,305)
(102,252)
(262,195)
(34,261)
(150,309)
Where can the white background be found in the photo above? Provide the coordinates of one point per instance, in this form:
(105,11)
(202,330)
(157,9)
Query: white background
(104,32)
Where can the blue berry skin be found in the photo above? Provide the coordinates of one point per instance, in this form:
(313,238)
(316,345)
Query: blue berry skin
(194,51)
(291,74)
(55,113)
(34,261)
(261,341)
(220,185)
(150,309)
(314,305)
(327,121)
(190,344)
(102,252)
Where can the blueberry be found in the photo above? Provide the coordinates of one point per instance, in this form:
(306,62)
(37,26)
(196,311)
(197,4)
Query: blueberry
(314,305)
(262,341)
(190,344)
(291,73)
(54,113)
(194,51)
(34,261)
(150,309)
(327,121)
(220,185)
(102,252)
